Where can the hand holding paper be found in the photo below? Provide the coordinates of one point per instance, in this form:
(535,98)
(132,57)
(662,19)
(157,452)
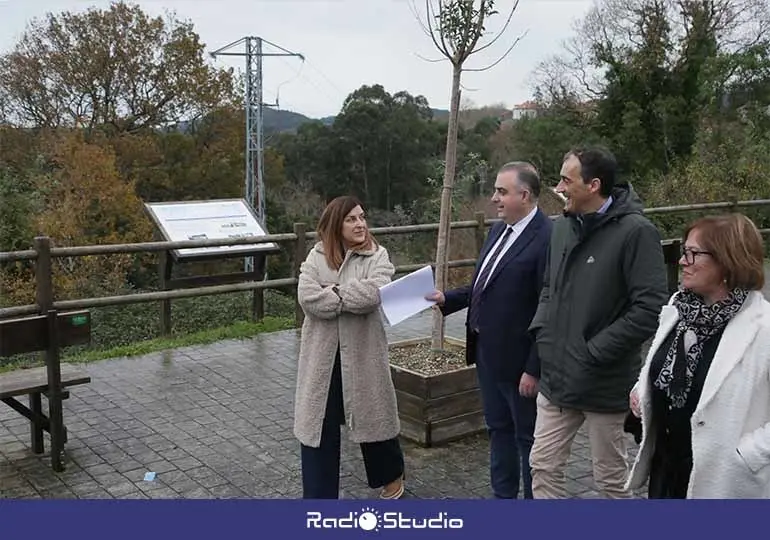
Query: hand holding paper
(405,296)
(437,297)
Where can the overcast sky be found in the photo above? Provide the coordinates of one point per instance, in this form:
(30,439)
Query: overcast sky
(348,43)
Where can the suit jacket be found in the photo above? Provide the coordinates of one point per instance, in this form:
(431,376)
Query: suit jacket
(508,302)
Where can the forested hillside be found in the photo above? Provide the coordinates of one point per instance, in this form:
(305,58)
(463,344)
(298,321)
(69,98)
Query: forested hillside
(91,104)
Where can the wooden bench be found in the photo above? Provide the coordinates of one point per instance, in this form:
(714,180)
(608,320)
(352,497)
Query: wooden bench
(44,333)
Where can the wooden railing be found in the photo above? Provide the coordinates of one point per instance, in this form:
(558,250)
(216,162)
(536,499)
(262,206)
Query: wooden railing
(44,253)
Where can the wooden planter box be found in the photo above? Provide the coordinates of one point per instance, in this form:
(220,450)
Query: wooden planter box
(439,408)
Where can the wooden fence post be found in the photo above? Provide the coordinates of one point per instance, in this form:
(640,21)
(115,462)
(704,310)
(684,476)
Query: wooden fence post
(164,276)
(258,305)
(44,297)
(258,295)
(300,229)
(43,275)
(481,229)
(55,413)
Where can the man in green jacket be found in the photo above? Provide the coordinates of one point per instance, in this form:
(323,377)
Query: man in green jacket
(604,286)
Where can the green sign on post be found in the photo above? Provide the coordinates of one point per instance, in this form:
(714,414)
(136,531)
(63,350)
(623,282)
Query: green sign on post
(79,320)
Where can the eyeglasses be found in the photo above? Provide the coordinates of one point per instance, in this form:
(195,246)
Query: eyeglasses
(690,254)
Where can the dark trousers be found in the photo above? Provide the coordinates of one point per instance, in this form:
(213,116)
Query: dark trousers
(671,463)
(383,460)
(510,420)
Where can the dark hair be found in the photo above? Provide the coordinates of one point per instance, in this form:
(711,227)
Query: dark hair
(596,162)
(526,173)
(736,246)
(330,229)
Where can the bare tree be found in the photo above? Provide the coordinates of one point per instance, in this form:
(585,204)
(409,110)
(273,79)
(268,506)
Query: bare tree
(611,31)
(457,29)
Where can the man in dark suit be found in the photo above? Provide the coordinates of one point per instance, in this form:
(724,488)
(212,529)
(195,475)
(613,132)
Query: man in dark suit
(502,299)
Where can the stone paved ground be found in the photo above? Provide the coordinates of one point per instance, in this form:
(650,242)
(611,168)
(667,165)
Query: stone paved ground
(215,422)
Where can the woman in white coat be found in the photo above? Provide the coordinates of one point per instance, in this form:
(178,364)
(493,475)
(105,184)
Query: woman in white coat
(343,374)
(703,394)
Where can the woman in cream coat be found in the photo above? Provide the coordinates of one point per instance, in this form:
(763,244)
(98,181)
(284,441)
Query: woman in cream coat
(703,394)
(343,375)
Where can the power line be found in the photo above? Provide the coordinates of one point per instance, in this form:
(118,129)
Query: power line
(320,88)
(327,79)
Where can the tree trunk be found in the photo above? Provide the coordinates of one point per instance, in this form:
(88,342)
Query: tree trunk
(445,217)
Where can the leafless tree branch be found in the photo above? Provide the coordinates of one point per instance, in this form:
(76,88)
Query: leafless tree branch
(500,33)
(502,57)
(579,66)
(418,18)
(432,60)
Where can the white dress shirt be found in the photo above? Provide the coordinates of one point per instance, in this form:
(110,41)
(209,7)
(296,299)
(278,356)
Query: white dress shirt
(518,228)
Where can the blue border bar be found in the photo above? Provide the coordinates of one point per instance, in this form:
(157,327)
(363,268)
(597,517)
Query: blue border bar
(289,519)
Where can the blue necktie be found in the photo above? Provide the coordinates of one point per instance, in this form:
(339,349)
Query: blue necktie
(473,315)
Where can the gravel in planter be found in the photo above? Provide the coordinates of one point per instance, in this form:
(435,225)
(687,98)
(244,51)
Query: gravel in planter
(422,359)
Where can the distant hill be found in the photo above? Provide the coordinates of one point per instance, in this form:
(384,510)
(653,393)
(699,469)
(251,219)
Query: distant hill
(440,114)
(279,120)
(282,120)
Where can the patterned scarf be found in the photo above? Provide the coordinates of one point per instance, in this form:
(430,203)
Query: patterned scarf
(697,323)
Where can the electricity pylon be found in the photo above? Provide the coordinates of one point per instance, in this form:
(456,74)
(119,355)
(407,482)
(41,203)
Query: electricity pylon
(255,177)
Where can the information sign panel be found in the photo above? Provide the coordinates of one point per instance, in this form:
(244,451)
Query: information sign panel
(209,220)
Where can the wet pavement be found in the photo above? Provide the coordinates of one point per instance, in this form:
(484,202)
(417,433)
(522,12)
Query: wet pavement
(215,421)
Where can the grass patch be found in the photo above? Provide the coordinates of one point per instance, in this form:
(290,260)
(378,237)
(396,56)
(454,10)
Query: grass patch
(136,327)
(116,326)
(238,330)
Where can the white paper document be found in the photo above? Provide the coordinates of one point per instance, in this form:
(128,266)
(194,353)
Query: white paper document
(405,296)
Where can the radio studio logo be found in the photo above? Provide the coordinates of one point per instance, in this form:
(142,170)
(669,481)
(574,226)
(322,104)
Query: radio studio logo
(370,519)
